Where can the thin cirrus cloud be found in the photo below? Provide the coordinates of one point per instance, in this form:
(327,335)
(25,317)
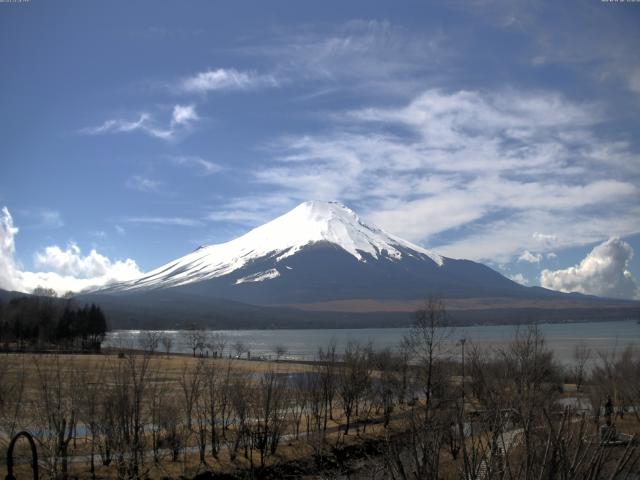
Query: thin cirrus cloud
(226,79)
(166,221)
(250,210)
(63,269)
(43,217)
(143,184)
(204,167)
(357,55)
(608,59)
(183,117)
(470,162)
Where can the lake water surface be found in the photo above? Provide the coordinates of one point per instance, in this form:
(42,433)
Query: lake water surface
(303,344)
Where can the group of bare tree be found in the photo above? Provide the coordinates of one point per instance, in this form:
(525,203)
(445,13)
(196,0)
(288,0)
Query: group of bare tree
(124,415)
(492,415)
(513,425)
(200,342)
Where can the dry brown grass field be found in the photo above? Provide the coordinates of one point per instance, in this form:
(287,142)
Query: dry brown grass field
(372,414)
(68,375)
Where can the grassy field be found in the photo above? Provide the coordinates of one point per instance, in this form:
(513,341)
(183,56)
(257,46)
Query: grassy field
(66,376)
(168,400)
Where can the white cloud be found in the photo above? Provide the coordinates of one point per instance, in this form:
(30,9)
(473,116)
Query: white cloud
(205,166)
(50,219)
(143,184)
(604,272)
(527,256)
(250,210)
(179,221)
(519,278)
(144,124)
(609,58)
(358,55)
(45,218)
(184,114)
(71,263)
(545,239)
(226,79)
(475,164)
(552,256)
(120,230)
(8,265)
(67,269)
(180,123)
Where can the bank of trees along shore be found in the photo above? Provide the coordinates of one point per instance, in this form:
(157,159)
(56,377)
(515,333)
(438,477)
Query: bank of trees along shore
(44,322)
(496,417)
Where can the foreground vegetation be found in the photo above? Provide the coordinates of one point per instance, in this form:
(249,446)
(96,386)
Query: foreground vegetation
(435,408)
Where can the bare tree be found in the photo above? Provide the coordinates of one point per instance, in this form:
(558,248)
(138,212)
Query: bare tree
(91,393)
(280,350)
(299,401)
(269,411)
(167,343)
(581,356)
(389,369)
(171,423)
(57,409)
(129,379)
(210,404)
(196,340)
(13,377)
(315,385)
(240,401)
(533,385)
(426,341)
(191,385)
(353,380)
(156,404)
(149,341)
(327,362)
(416,455)
(217,344)
(239,347)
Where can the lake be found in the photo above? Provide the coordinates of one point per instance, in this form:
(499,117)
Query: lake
(303,344)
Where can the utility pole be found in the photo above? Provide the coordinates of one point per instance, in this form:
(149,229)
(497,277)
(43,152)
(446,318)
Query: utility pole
(462,342)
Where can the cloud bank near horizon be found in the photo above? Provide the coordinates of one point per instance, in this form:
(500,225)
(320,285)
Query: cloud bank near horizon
(66,269)
(603,272)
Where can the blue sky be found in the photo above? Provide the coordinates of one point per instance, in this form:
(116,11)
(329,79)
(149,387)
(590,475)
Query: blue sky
(504,132)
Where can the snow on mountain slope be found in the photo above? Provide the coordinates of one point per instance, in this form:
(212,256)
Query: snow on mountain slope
(308,223)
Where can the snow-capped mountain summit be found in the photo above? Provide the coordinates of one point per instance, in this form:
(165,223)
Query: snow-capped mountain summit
(318,264)
(307,224)
(319,252)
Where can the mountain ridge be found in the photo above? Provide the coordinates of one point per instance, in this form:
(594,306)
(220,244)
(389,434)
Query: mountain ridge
(309,223)
(320,265)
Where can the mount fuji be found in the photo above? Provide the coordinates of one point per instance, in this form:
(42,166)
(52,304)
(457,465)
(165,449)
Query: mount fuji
(320,251)
(318,261)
